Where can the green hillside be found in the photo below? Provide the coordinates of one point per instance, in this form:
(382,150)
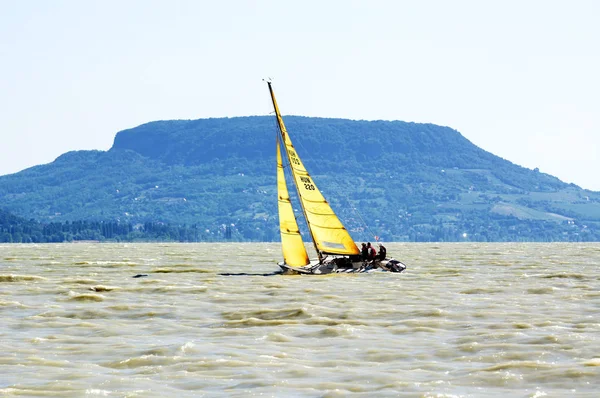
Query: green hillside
(408,181)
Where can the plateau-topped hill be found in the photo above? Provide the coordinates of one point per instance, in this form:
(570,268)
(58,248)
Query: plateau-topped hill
(408,181)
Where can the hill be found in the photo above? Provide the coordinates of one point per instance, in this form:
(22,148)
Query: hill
(409,182)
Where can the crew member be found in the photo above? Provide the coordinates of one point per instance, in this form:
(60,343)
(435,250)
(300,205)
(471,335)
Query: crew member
(382,252)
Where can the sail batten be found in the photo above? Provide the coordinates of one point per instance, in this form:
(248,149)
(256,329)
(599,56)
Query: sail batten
(324,226)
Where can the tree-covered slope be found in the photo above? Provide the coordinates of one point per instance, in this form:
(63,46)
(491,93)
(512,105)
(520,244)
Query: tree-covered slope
(408,181)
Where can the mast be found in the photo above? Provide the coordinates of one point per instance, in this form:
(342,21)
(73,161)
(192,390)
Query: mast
(282,132)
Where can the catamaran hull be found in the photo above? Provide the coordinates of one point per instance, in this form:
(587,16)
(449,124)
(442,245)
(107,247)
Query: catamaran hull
(387,265)
(288,269)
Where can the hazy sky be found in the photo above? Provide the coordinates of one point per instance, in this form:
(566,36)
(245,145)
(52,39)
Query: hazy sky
(520,79)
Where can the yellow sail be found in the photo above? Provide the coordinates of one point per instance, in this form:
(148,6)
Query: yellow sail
(294,251)
(328,233)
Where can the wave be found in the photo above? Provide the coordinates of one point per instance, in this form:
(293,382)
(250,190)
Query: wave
(257,322)
(141,361)
(20,278)
(520,365)
(293,313)
(565,275)
(11,304)
(104,263)
(84,314)
(101,288)
(83,297)
(79,281)
(174,289)
(592,362)
(331,331)
(167,314)
(541,290)
(480,290)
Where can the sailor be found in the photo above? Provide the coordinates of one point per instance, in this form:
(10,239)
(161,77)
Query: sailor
(382,252)
(372,253)
(364,252)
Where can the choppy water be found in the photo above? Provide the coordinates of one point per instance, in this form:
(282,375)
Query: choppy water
(464,320)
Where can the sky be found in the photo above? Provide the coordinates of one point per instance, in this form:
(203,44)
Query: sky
(518,78)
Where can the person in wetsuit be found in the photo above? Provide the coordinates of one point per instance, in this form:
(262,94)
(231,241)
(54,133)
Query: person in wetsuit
(382,252)
(364,252)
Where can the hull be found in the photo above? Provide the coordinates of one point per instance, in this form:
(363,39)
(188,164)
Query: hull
(335,266)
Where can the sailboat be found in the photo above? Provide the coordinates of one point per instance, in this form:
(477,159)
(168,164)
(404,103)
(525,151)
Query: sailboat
(336,250)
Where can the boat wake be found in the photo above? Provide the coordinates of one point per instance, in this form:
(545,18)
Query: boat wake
(250,274)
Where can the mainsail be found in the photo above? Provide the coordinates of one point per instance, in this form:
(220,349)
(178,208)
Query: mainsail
(328,233)
(294,252)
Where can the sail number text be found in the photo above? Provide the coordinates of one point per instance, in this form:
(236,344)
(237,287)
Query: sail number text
(308,185)
(294,159)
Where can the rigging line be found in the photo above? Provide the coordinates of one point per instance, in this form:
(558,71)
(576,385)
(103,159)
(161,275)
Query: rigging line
(366,225)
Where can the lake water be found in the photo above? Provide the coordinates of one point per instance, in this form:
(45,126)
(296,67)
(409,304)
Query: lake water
(464,320)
